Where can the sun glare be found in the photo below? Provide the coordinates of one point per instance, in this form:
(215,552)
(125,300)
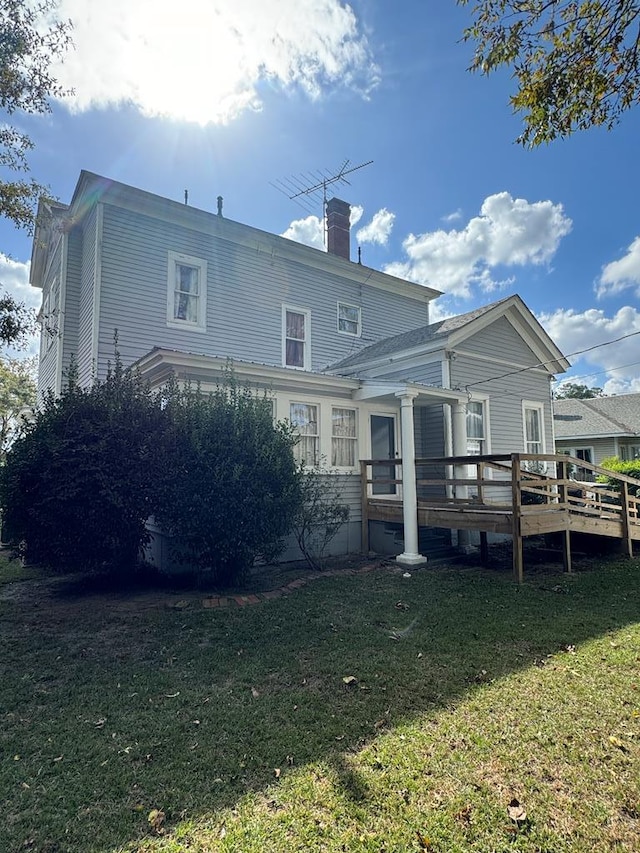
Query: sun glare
(201,61)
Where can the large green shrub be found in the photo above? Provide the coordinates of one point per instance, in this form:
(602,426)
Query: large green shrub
(229,486)
(630,468)
(77,487)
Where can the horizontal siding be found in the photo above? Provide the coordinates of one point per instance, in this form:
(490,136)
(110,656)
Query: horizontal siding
(500,339)
(48,343)
(85,310)
(246,288)
(71,314)
(506,393)
(602,447)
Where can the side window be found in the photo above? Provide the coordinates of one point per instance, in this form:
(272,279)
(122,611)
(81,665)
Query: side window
(187,292)
(304,419)
(349,319)
(296,338)
(344,438)
(533,428)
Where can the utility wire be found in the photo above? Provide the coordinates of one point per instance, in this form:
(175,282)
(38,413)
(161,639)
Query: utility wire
(551,361)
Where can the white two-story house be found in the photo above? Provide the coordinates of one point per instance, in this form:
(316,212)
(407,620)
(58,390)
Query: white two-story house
(347,352)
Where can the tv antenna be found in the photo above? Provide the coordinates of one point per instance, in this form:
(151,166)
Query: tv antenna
(308,187)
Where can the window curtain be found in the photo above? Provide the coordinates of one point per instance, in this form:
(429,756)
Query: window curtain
(186,293)
(533,431)
(343,438)
(305,420)
(295,337)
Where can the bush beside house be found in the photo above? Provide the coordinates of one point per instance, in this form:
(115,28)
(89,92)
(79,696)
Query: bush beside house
(84,477)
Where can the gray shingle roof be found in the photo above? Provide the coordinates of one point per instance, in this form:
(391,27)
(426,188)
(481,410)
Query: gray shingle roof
(605,416)
(414,337)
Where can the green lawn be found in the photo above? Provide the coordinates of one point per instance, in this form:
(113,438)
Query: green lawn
(127,725)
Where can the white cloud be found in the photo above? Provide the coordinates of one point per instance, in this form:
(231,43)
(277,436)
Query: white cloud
(14,280)
(508,232)
(379,229)
(355,214)
(453,217)
(309,231)
(615,368)
(204,61)
(621,274)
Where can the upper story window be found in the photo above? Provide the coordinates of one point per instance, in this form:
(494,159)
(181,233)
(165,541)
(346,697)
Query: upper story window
(48,316)
(187,292)
(476,435)
(349,319)
(296,338)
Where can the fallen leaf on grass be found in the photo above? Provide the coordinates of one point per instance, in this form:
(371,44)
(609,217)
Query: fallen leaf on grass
(156,818)
(254,693)
(424,843)
(615,741)
(172,695)
(464,815)
(350,679)
(276,772)
(516,811)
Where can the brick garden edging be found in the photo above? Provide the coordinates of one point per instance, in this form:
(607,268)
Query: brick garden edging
(220,601)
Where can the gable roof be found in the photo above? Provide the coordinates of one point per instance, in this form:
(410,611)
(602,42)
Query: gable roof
(599,417)
(451,331)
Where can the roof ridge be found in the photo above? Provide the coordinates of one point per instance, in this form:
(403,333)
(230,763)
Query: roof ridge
(589,403)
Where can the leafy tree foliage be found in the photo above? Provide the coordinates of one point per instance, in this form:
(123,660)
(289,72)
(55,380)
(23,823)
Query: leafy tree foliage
(17,393)
(31,36)
(17,322)
(229,485)
(630,468)
(575,391)
(576,64)
(77,487)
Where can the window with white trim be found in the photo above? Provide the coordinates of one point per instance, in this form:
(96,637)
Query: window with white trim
(296,330)
(586,455)
(187,292)
(629,452)
(476,436)
(533,414)
(349,319)
(304,419)
(344,438)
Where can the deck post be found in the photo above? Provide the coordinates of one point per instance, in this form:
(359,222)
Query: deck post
(563,496)
(459,428)
(627,542)
(364,499)
(518,557)
(410,555)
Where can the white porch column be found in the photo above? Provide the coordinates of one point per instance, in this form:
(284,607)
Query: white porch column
(460,448)
(410,555)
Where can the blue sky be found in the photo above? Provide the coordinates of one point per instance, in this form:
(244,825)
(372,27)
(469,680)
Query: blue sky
(244,93)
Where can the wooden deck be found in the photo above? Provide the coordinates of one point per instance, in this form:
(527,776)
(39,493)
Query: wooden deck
(517,494)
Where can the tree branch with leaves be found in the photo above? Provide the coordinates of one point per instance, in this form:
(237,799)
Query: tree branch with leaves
(576,64)
(32,36)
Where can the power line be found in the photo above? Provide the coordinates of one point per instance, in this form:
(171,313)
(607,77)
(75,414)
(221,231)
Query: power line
(551,361)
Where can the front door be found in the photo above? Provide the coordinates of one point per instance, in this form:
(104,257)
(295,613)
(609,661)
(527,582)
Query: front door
(383,446)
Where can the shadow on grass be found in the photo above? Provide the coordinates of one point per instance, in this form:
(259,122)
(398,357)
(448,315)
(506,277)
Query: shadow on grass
(110,712)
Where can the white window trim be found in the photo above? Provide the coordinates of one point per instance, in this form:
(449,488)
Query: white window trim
(533,404)
(356,334)
(307,337)
(355,439)
(486,422)
(175,258)
(297,401)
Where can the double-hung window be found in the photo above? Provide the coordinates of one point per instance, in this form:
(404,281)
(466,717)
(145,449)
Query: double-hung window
(304,419)
(349,319)
(344,438)
(187,292)
(296,335)
(533,427)
(475,428)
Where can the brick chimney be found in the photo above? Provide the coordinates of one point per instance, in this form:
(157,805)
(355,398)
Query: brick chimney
(338,228)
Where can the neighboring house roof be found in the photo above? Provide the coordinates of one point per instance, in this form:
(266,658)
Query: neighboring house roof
(599,417)
(453,330)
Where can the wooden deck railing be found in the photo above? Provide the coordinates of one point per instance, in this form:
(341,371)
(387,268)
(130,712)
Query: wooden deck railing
(520,494)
